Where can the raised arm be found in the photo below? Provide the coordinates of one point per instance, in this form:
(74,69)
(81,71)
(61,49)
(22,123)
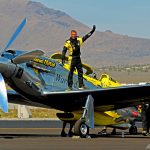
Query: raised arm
(85,37)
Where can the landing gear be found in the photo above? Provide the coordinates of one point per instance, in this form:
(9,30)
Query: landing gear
(86,121)
(81,129)
(133,130)
(70,133)
(114,131)
(66,117)
(81,126)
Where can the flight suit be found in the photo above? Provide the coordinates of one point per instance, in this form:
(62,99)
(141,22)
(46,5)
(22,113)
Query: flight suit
(73,46)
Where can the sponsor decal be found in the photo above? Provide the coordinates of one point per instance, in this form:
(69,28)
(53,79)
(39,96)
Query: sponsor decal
(45,62)
(60,79)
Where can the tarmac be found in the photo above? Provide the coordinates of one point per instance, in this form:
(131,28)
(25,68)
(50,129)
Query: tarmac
(45,135)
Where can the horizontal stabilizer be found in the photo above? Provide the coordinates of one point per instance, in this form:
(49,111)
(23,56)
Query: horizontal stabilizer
(27,56)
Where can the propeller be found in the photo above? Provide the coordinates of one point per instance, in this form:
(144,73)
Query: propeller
(16,33)
(7,66)
(3,91)
(3,95)
(27,56)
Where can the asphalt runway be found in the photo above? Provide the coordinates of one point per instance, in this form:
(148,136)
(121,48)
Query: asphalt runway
(36,123)
(37,138)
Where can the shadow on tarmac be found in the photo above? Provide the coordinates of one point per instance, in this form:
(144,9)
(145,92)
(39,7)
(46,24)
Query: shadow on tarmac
(14,136)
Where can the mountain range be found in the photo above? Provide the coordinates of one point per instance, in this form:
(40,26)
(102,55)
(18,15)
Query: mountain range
(48,29)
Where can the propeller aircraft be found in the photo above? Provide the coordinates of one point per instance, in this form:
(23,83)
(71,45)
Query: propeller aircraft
(37,80)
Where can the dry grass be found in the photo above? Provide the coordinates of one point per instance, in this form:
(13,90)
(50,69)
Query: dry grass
(12,113)
(36,113)
(44,113)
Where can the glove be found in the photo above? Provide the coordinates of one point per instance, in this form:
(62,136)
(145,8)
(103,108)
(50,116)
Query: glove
(63,61)
(93,29)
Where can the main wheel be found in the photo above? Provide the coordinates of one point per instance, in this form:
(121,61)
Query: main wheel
(133,130)
(81,129)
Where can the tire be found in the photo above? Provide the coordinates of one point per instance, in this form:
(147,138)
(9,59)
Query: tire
(133,130)
(81,129)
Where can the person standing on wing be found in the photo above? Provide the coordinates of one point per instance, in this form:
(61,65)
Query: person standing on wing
(73,45)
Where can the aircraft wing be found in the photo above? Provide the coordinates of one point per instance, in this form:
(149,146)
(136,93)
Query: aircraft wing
(104,99)
(16,98)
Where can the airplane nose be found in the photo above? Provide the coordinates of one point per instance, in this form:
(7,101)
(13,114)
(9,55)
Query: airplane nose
(6,67)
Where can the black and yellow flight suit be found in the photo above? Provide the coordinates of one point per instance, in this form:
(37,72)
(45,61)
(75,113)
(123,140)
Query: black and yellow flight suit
(146,118)
(73,46)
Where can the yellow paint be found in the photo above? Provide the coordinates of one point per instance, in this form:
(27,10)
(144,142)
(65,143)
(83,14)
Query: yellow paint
(45,62)
(105,80)
(58,57)
(100,118)
(36,71)
(104,118)
(70,47)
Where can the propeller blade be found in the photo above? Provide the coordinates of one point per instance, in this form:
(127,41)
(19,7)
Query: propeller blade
(3,95)
(27,56)
(16,33)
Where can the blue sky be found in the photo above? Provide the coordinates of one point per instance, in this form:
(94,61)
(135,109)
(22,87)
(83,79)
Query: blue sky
(127,17)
